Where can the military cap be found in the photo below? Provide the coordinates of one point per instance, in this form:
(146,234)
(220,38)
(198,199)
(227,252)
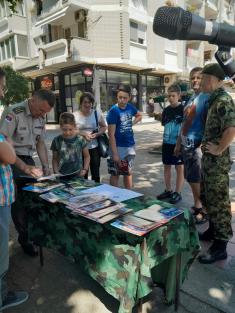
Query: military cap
(215,70)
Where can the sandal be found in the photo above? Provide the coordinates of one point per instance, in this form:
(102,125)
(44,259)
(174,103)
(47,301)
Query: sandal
(200,216)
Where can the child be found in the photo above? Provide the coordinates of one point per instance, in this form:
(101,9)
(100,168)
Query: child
(171,119)
(7,195)
(121,138)
(69,149)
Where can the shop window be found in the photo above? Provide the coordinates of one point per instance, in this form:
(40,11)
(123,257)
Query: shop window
(118,77)
(77,78)
(138,32)
(67,80)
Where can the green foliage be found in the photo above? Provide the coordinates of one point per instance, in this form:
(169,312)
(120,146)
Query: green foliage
(17,85)
(12,4)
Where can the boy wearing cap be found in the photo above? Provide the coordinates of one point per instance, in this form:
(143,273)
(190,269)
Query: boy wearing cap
(216,163)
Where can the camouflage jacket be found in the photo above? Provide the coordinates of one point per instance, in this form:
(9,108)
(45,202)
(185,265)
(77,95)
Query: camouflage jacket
(221,115)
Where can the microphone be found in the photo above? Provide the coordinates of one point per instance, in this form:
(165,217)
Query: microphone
(176,23)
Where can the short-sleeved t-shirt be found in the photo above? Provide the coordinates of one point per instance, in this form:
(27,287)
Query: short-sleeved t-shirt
(122,118)
(171,120)
(70,153)
(7,190)
(193,127)
(25,131)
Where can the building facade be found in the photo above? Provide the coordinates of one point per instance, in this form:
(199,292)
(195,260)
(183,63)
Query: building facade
(71,46)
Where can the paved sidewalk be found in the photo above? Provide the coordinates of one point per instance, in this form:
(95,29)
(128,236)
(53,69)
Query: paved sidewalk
(62,287)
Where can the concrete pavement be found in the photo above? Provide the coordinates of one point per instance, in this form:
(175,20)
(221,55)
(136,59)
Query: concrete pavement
(62,287)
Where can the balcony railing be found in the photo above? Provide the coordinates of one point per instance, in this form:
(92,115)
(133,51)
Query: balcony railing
(61,50)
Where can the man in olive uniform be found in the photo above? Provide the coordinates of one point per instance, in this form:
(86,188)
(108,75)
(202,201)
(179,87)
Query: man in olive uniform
(216,163)
(24,123)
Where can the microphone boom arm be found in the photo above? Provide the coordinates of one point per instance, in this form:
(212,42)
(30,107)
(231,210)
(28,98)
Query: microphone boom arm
(225,60)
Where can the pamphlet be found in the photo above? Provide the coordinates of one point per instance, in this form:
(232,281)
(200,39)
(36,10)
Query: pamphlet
(157,213)
(113,193)
(41,187)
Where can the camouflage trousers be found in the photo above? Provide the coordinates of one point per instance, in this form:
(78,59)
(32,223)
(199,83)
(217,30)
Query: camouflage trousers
(215,194)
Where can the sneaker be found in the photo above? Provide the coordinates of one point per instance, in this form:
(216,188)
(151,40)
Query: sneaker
(175,197)
(164,195)
(14,298)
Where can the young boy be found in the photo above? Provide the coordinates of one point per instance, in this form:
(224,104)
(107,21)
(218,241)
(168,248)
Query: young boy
(69,149)
(121,137)
(171,119)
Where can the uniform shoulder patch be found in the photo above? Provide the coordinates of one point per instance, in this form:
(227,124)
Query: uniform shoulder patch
(18,110)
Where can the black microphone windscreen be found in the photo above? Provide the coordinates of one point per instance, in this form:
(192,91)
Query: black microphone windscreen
(172,22)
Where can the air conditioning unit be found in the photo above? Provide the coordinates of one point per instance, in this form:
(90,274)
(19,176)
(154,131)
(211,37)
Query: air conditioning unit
(80,16)
(168,80)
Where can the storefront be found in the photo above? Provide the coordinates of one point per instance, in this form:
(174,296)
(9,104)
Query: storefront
(70,83)
(77,80)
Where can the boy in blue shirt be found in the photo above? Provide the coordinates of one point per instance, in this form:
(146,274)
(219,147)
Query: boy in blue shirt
(171,119)
(121,137)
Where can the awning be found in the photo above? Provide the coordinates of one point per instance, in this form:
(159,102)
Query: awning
(51,18)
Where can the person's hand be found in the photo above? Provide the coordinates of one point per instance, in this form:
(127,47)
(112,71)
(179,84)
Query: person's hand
(88,136)
(46,170)
(158,116)
(116,159)
(33,171)
(83,172)
(94,135)
(177,150)
(211,148)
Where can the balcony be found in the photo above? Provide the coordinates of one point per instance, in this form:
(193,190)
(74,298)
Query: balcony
(53,53)
(63,51)
(12,24)
(211,9)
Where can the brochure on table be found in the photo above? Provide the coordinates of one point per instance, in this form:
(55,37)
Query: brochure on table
(114,193)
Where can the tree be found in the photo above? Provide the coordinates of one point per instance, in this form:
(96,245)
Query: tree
(12,4)
(17,87)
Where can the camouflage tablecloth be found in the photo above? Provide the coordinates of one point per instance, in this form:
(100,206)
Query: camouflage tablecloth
(123,264)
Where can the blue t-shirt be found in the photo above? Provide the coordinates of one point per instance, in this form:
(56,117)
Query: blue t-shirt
(172,118)
(193,126)
(122,118)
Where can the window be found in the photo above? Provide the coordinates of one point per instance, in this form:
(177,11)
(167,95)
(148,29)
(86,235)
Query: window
(138,32)
(8,48)
(20,8)
(81,19)
(2,9)
(22,45)
(3,52)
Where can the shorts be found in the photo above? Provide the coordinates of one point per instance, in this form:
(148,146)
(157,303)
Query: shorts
(192,164)
(115,171)
(168,157)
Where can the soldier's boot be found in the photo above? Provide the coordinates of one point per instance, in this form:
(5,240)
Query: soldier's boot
(215,253)
(208,235)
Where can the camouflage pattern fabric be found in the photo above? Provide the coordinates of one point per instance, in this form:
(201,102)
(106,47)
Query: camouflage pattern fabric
(215,169)
(123,264)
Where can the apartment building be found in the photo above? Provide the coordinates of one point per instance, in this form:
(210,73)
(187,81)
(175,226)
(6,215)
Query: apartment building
(71,45)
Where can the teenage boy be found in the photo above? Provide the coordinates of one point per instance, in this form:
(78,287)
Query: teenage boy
(121,136)
(171,119)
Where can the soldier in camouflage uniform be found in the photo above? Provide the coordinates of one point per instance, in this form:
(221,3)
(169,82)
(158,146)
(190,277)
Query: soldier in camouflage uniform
(216,163)
(24,123)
